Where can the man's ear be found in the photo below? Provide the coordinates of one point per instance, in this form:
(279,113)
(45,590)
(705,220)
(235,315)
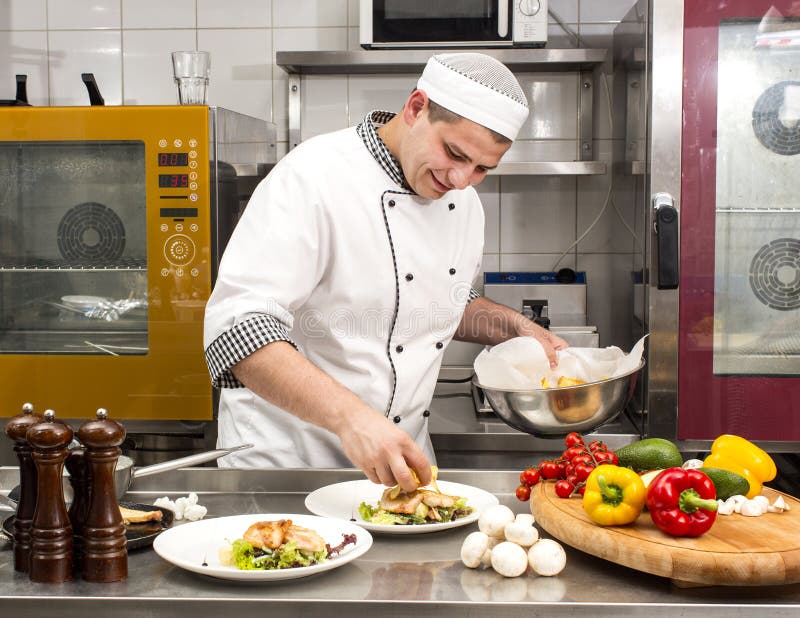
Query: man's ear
(416,104)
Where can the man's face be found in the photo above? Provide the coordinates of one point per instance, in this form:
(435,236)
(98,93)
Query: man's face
(440,156)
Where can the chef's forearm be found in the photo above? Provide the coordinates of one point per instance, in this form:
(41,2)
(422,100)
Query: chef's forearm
(489,323)
(281,375)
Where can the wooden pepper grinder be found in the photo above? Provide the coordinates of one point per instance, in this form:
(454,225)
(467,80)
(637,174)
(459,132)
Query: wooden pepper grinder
(79,479)
(105,555)
(17,429)
(51,532)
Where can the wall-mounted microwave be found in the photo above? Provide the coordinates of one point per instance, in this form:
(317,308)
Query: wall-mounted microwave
(452,23)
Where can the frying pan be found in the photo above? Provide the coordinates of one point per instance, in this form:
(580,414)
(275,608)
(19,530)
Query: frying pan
(125,471)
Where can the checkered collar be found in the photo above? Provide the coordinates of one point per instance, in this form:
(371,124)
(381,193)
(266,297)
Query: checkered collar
(367,130)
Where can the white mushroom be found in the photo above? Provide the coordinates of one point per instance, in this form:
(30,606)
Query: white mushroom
(692,464)
(521,533)
(486,559)
(736,501)
(547,558)
(509,559)
(525,518)
(763,501)
(779,506)
(473,548)
(494,519)
(751,508)
(724,507)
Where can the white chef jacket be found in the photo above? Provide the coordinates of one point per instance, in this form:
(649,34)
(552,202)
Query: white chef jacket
(368,280)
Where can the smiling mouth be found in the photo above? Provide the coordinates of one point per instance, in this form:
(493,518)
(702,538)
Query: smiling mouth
(438,185)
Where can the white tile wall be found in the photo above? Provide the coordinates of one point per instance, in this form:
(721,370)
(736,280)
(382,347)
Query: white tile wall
(23,15)
(83,14)
(553,97)
(309,13)
(604,11)
(299,39)
(537,214)
(72,52)
(530,221)
(241,71)
(147,65)
(25,54)
(234,14)
(609,233)
(159,14)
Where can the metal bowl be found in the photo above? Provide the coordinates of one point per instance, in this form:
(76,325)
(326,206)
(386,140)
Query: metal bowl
(554,412)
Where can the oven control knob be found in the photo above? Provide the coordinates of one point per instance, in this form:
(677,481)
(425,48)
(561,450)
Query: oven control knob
(529,7)
(179,250)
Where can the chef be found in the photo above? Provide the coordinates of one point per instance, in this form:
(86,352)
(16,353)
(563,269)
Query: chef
(349,273)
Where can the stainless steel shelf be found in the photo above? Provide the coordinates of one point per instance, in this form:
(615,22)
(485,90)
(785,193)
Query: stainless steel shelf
(398,61)
(412,61)
(549,168)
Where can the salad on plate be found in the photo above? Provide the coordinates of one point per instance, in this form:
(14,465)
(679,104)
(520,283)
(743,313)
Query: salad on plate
(280,544)
(424,505)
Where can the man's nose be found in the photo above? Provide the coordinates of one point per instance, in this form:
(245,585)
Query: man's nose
(459,177)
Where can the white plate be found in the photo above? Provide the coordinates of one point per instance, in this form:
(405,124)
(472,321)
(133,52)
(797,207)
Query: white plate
(341,500)
(189,545)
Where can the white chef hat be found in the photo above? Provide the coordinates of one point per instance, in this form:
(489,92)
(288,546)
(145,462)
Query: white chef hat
(476,87)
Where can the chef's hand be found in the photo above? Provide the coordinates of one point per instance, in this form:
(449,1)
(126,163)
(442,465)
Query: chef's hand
(550,341)
(383,451)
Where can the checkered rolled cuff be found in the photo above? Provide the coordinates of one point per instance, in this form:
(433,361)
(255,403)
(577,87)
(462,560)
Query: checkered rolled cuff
(238,343)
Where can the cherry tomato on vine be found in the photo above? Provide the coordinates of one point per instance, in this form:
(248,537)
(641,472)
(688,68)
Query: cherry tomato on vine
(573,439)
(564,489)
(606,457)
(582,471)
(597,445)
(574,451)
(523,493)
(529,476)
(582,459)
(582,489)
(548,469)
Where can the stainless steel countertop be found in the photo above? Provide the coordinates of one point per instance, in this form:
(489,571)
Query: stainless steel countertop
(400,575)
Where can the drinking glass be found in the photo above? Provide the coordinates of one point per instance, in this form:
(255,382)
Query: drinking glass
(191,69)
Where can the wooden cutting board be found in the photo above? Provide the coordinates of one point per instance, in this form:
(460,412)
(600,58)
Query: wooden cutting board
(736,551)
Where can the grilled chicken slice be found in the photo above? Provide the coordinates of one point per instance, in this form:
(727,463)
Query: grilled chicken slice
(305,538)
(273,534)
(435,499)
(401,503)
(267,534)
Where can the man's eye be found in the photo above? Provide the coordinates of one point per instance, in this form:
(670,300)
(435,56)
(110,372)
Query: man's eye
(453,155)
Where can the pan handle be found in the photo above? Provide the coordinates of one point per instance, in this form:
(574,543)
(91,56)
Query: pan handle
(185,462)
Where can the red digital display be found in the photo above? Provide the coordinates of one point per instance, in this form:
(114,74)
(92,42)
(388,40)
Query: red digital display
(174,181)
(173,159)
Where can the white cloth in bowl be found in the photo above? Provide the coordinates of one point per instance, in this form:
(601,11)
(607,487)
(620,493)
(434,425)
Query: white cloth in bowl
(520,363)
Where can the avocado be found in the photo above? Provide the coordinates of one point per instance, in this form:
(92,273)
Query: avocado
(727,483)
(649,454)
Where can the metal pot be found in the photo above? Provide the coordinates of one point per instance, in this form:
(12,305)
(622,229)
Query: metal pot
(125,471)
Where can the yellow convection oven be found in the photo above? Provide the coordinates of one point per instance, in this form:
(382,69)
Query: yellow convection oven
(112,222)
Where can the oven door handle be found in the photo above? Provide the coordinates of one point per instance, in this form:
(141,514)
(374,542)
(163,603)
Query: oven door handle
(667,225)
(502,18)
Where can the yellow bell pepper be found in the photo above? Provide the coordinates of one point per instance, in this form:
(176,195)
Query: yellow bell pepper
(741,456)
(614,496)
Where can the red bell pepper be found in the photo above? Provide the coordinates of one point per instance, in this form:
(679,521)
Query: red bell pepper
(682,502)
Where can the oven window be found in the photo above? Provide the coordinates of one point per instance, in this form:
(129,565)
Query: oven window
(756,322)
(439,21)
(73,248)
